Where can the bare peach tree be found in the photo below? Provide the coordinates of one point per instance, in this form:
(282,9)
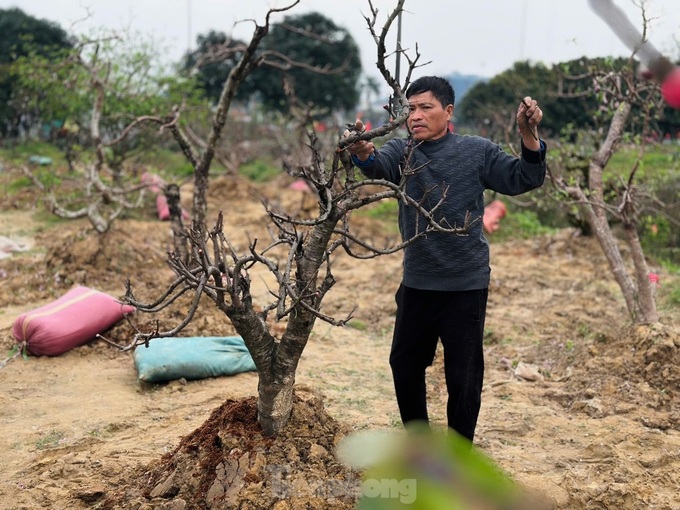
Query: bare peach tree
(606,199)
(299,255)
(98,88)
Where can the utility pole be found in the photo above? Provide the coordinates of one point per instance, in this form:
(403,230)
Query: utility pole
(189,42)
(522,29)
(397,66)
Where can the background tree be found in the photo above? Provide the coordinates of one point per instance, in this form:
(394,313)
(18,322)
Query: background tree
(607,198)
(561,89)
(106,92)
(309,52)
(491,106)
(593,106)
(210,64)
(21,35)
(566,94)
(212,61)
(312,40)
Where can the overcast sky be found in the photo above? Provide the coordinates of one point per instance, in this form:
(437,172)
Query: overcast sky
(481,37)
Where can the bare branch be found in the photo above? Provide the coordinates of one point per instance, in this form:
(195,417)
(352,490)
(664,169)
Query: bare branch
(237,75)
(286,63)
(307,33)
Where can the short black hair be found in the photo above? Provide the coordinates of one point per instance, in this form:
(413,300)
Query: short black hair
(440,87)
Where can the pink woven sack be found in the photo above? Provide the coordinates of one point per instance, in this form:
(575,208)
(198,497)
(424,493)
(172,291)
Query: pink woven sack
(72,320)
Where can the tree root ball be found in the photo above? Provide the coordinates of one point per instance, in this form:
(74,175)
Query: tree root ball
(229,463)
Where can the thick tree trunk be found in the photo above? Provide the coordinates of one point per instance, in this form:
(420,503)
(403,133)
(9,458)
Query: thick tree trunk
(277,361)
(646,305)
(275,386)
(199,209)
(611,251)
(274,403)
(597,211)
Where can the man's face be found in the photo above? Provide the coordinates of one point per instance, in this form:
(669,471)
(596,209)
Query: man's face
(428,118)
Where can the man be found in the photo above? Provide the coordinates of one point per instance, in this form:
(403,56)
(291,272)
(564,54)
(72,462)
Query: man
(443,293)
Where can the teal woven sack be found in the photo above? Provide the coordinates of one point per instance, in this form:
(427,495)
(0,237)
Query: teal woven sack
(167,359)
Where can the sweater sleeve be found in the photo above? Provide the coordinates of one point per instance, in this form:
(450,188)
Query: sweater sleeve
(510,175)
(386,163)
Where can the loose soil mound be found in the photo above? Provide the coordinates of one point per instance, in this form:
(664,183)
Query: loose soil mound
(228,463)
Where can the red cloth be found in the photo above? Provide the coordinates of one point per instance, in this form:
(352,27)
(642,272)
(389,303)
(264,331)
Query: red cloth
(493,214)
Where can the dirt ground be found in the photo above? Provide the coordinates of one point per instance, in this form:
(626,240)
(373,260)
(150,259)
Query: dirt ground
(599,428)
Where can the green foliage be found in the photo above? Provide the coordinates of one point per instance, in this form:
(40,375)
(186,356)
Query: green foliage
(48,177)
(528,224)
(674,295)
(21,35)
(386,210)
(660,239)
(658,163)
(568,95)
(520,224)
(181,171)
(18,153)
(60,88)
(101,102)
(167,163)
(19,184)
(51,440)
(491,105)
(357,324)
(44,217)
(259,171)
(42,88)
(16,351)
(655,172)
(668,292)
(658,179)
(427,470)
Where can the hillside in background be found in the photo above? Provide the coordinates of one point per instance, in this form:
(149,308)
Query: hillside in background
(463,82)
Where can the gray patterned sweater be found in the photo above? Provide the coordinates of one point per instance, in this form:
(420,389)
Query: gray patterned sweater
(465,166)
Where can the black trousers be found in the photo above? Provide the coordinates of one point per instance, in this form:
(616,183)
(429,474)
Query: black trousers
(423,318)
